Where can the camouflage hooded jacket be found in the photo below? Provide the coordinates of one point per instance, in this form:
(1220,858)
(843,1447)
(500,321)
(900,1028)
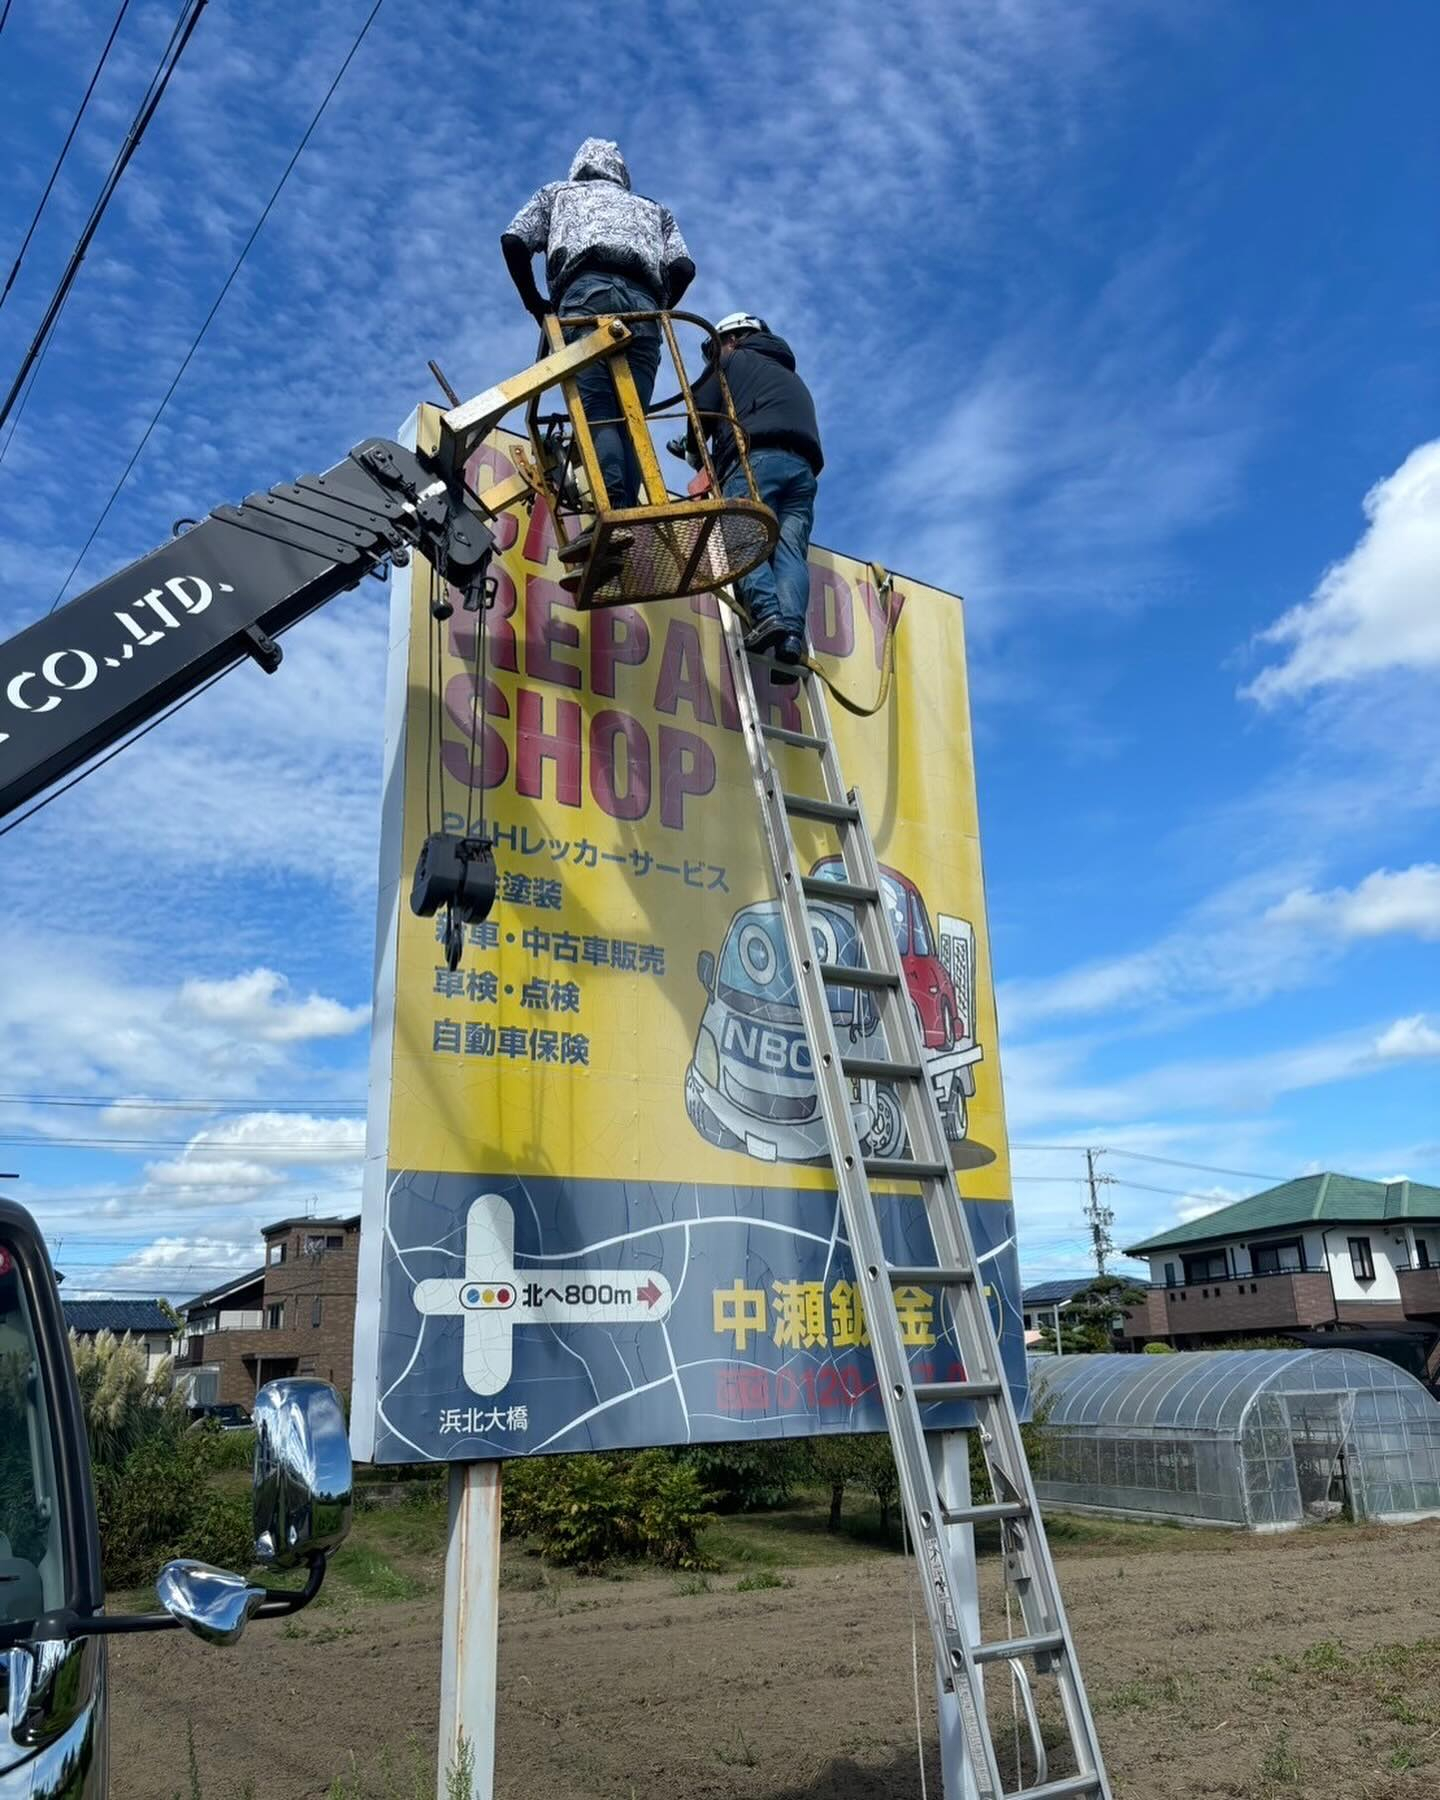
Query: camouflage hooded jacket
(592,223)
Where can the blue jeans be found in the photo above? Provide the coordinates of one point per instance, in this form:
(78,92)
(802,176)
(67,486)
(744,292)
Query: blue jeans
(600,293)
(780,588)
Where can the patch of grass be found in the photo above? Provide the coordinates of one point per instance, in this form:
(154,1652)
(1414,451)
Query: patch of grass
(687,1585)
(1279,1765)
(1405,1755)
(359,1573)
(1321,1658)
(741,1754)
(1146,1693)
(760,1579)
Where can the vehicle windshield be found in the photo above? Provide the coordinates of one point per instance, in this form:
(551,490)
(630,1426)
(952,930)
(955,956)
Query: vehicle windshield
(755,975)
(32,1569)
(897,906)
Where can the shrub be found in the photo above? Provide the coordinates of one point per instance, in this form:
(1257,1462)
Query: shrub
(748,1477)
(224,1449)
(151,1472)
(585,1511)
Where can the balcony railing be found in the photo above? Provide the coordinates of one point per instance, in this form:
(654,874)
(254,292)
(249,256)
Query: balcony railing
(1282,1297)
(1419,1289)
(1172,1287)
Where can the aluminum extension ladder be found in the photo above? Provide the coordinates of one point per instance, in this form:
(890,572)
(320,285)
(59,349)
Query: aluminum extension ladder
(1046,1645)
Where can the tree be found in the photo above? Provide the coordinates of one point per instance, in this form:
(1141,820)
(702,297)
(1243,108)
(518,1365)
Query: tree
(1087,1322)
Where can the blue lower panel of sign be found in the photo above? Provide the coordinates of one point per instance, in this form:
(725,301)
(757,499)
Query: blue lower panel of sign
(522,1316)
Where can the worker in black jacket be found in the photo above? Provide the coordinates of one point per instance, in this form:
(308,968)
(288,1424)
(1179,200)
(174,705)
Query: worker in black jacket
(777,417)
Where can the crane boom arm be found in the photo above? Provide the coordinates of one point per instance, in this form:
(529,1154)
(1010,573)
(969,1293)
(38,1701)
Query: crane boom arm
(117,656)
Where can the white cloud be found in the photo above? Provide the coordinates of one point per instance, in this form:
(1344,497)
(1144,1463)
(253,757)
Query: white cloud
(1408,1039)
(1044,1089)
(255,1005)
(1202,1205)
(1377,607)
(1386,901)
(287,1137)
(197,1172)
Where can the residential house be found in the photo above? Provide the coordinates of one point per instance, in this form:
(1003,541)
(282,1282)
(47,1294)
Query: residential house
(295,1315)
(1324,1253)
(144,1320)
(1042,1303)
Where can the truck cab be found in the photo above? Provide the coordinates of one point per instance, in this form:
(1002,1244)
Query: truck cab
(53,1621)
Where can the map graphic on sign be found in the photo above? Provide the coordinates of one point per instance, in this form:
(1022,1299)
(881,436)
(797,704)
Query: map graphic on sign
(598,1209)
(494,1298)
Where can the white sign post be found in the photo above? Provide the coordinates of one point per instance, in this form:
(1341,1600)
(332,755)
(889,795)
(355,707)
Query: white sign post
(470,1645)
(950,1460)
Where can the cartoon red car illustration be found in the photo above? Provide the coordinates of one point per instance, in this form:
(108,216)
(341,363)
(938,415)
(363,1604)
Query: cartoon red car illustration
(939,967)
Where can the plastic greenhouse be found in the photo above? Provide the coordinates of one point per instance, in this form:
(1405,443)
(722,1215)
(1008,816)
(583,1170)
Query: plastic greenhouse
(1259,1438)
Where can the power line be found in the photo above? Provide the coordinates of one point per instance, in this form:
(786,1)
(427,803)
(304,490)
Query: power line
(114,1105)
(4,14)
(229,1148)
(184,28)
(112,752)
(1174,1162)
(64,149)
(219,298)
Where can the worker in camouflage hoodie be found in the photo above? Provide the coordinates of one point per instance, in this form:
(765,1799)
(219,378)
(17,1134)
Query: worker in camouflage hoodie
(606,250)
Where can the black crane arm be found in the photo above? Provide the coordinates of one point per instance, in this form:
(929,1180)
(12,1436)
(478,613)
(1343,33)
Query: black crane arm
(116,657)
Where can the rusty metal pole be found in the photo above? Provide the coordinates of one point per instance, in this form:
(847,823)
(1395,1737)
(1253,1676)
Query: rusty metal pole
(469,1649)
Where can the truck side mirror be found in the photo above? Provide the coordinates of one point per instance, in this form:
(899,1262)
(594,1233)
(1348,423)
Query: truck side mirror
(705,969)
(302,1509)
(214,1603)
(304,1479)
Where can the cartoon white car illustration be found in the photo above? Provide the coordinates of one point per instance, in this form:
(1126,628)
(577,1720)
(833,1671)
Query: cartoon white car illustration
(750,1084)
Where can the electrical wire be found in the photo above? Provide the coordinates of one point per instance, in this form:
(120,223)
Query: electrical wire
(100,1100)
(219,300)
(112,752)
(297,1151)
(184,29)
(1174,1162)
(64,151)
(4,14)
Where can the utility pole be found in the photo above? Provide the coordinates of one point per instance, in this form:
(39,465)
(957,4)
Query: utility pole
(1099,1218)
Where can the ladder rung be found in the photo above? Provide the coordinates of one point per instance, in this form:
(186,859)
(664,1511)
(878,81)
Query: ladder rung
(901,1169)
(815,887)
(927,1391)
(1004,1648)
(981,1515)
(839,812)
(1068,1787)
(802,740)
(918,1276)
(841,975)
(879,1069)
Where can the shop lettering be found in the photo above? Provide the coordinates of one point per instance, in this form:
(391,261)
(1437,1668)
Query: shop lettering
(554,747)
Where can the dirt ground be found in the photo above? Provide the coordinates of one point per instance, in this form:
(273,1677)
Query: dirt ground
(1302,1667)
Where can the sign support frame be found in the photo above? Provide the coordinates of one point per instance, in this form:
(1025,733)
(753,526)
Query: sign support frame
(470,1640)
(950,1461)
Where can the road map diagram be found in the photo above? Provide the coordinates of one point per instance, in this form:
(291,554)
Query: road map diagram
(674,1313)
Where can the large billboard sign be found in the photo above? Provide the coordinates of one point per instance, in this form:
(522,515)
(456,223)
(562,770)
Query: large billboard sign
(598,1208)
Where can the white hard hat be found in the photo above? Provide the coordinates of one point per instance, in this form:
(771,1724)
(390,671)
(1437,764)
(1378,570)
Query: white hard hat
(740,321)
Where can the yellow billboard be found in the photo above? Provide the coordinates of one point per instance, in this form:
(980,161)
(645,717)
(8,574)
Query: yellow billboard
(615,1078)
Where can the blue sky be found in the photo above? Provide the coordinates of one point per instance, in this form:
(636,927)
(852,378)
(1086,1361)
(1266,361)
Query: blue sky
(1121,321)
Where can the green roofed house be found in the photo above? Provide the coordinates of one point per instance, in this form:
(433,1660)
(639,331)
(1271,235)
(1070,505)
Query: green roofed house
(1324,1253)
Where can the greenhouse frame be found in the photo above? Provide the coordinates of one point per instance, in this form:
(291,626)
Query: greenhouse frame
(1260,1439)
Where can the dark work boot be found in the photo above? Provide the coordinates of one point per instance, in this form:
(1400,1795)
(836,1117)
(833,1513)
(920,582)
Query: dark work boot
(764,634)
